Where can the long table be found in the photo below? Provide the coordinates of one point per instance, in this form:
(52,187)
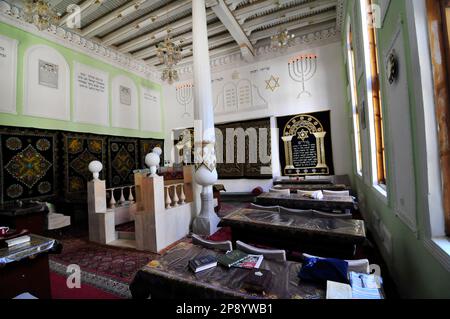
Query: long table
(342,204)
(329,237)
(170,276)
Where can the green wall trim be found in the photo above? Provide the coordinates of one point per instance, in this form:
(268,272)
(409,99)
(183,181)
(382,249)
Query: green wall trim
(26,40)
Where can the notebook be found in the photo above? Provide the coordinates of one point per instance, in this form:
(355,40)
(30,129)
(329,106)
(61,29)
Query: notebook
(202,263)
(231,258)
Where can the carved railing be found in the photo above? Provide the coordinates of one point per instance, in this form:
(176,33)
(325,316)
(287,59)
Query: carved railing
(174,195)
(122,200)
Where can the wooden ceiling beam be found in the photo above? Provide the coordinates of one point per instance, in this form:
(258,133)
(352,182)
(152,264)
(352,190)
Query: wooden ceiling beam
(124,10)
(153,36)
(279,16)
(319,18)
(121,33)
(185,38)
(224,14)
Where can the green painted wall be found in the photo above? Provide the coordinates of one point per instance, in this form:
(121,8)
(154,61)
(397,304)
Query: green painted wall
(25,41)
(415,270)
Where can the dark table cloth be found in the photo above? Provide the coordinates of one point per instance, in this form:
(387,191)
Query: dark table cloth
(170,277)
(327,237)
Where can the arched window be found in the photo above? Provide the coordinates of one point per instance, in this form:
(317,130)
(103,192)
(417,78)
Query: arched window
(374,94)
(354,97)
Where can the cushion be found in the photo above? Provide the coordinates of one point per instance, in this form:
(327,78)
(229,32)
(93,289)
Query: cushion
(318,270)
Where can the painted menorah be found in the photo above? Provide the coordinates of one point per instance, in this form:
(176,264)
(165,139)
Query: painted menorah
(185,96)
(302,68)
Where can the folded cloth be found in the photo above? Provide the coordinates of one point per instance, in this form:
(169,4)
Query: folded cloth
(320,270)
(311,194)
(335,193)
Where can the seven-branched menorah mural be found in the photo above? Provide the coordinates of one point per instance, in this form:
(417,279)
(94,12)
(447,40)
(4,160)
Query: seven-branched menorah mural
(302,68)
(185,96)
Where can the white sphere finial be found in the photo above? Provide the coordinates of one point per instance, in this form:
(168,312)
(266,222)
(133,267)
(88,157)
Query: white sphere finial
(152,161)
(157,150)
(95,167)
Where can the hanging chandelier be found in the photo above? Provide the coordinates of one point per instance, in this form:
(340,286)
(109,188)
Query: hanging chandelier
(169,54)
(282,40)
(170,75)
(40,13)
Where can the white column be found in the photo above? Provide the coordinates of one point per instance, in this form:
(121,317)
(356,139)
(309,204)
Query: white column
(205,159)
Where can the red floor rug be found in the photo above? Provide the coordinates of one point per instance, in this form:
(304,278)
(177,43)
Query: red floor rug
(86,291)
(110,269)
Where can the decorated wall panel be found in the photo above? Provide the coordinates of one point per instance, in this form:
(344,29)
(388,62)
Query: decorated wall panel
(79,150)
(305,144)
(47,164)
(123,159)
(28,164)
(243,149)
(146,146)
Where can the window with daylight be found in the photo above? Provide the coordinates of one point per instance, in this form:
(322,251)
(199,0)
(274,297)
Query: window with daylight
(439,32)
(374,103)
(354,99)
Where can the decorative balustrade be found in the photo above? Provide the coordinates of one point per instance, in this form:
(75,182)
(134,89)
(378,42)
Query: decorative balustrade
(175,195)
(123,200)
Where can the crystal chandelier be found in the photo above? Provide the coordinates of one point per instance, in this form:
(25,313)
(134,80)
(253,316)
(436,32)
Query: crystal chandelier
(40,13)
(169,54)
(282,40)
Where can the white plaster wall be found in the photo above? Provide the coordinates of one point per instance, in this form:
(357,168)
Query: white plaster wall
(44,101)
(151,117)
(123,115)
(8,70)
(91,95)
(327,92)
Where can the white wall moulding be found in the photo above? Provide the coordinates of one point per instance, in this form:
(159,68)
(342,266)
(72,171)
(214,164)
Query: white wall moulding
(124,103)
(398,109)
(91,95)
(11,15)
(151,114)
(8,71)
(46,83)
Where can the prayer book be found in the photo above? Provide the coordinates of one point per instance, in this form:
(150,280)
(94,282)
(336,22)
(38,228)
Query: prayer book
(202,263)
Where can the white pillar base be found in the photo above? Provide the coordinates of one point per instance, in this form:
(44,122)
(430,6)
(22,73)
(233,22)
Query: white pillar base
(206,223)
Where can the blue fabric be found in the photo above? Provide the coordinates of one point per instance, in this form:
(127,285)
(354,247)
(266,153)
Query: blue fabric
(319,270)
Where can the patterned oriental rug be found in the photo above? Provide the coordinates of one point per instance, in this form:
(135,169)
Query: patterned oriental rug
(110,269)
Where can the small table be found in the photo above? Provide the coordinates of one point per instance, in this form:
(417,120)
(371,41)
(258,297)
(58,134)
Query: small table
(170,277)
(25,268)
(342,204)
(327,237)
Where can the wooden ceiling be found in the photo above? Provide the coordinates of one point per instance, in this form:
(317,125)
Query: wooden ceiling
(136,27)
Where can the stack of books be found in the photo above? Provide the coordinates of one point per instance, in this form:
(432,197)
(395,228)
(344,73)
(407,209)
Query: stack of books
(17,241)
